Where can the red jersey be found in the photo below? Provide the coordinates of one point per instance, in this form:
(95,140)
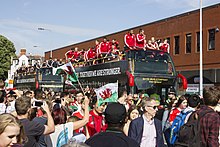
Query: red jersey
(104,47)
(70,54)
(76,54)
(90,54)
(164,47)
(140,41)
(129,40)
(173,114)
(96,123)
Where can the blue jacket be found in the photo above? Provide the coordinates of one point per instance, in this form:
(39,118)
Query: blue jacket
(136,131)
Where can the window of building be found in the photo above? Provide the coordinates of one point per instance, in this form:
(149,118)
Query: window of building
(168,39)
(177,44)
(211,39)
(198,41)
(188,42)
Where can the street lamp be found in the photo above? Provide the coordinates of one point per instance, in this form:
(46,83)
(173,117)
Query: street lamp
(44,29)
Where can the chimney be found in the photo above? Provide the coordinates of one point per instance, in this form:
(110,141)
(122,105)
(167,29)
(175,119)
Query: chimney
(22,52)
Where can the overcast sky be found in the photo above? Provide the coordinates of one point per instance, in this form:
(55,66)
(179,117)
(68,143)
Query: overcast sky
(70,21)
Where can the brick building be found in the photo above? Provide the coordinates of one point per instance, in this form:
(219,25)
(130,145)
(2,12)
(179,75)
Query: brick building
(182,32)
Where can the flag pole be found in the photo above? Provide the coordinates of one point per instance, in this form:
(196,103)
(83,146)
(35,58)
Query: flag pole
(80,85)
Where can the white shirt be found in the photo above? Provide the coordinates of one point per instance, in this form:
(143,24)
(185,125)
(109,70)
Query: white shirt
(149,134)
(59,134)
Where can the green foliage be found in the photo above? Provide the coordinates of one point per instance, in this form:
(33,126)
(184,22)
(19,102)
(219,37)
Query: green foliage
(7,50)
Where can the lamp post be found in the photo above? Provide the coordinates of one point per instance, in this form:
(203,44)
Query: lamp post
(201,61)
(44,29)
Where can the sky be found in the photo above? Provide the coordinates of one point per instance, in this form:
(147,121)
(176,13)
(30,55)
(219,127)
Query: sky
(66,22)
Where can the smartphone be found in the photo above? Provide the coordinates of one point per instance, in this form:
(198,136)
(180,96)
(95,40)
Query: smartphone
(38,103)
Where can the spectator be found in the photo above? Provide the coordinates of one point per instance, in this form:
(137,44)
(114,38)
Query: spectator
(44,140)
(122,96)
(64,130)
(115,115)
(129,101)
(180,105)
(11,131)
(32,129)
(147,130)
(2,101)
(96,122)
(49,62)
(79,135)
(210,122)
(194,104)
(133,113)
(55,63)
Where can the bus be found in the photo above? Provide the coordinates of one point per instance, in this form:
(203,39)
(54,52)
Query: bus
(149,71)
(41,78)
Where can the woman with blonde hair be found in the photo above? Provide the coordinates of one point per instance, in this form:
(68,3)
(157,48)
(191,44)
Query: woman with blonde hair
(11,131)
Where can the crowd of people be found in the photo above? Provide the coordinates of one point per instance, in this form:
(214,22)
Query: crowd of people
(37,118)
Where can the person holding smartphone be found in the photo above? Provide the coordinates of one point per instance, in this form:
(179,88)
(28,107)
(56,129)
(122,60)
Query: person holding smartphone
(33,129)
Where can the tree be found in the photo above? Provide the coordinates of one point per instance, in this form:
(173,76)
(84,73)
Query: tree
(7,51)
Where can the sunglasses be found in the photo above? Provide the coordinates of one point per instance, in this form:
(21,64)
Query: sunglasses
(154,107)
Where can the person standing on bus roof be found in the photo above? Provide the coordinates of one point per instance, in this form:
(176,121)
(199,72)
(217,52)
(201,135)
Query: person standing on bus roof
(76,55)
(130,43)
(165,46)
(105,48)
(140,39)
(115,43)
(140,44)
(69,55)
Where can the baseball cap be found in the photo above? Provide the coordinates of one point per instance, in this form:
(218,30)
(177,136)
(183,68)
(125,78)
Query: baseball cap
(115,113)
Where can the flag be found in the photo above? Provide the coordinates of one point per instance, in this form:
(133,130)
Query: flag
(68,69)
(107,93)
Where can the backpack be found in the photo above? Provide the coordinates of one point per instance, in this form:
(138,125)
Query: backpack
(176,125)
(189,134)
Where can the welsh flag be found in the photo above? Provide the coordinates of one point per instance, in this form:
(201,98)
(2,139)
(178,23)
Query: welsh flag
(107,93)
(68,69)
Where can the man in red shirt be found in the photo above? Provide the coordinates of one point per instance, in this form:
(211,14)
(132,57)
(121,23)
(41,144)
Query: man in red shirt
(140,44)
(89,55)
(140,39)
(130,43)
(96,122)
(69,55)
(105,48)
(76,55)
(165,47)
